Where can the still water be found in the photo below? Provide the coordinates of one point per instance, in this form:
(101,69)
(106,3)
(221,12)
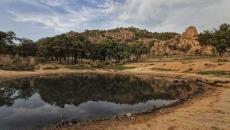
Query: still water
(44,101)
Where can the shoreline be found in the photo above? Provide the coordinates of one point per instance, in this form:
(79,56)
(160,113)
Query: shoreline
(219,84)
(90,125)
(211,80)
(81,125)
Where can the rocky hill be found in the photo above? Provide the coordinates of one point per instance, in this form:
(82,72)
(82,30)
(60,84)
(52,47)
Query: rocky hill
(129,34)
(167,43)
(187,43)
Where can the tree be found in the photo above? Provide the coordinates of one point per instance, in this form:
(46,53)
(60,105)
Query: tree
(221,48)
(219,38)
(138,49)
(45,48)
(27,47)
(122,51)
(7,42)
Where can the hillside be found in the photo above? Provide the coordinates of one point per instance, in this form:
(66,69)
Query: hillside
(166,43)
(129,34)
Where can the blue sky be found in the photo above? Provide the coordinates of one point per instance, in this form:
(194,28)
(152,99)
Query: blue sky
(35,19)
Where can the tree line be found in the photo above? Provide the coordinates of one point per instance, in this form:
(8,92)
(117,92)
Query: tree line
(11,45)
(72,48)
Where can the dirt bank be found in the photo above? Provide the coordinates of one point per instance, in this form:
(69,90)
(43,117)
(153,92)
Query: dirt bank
(211,111)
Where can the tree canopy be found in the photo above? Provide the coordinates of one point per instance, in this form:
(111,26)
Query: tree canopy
(76,47)
(219,38)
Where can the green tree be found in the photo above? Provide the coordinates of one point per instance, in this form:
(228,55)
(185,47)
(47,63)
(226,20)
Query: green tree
(7,42)
(27,47)
(122,51)
(138,49)
(219,38)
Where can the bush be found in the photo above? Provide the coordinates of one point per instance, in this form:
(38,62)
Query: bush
(17,63)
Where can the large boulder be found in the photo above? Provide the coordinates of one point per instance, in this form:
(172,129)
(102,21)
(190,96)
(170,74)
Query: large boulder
(190,33)
(189,41)
(190,36)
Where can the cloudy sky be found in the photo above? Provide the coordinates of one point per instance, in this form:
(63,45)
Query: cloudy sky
(39,18)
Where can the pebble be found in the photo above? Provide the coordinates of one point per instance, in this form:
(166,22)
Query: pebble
(128,114)
(70,124)
(2,89)
(114,117)
(219,85)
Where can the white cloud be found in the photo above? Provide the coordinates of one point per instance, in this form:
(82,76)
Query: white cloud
(54,2)
(175,15)
(154,15)
(72,19)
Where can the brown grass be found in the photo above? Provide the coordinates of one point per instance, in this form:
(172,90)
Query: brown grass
(17,63)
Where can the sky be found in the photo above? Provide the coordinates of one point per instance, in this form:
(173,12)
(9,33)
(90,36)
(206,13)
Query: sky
(35,19)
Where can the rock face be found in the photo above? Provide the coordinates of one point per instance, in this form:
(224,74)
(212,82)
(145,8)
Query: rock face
(118,34)
(190,34)
(185,44)
(189,41)
(122,34)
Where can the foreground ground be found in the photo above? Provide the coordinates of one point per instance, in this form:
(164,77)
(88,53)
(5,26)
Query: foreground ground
(208,111)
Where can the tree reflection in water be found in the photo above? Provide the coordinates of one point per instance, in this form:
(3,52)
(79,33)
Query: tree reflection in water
(100,95)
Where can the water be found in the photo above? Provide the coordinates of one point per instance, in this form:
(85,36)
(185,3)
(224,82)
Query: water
(45,101)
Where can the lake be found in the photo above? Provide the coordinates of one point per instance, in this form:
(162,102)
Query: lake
(34,103)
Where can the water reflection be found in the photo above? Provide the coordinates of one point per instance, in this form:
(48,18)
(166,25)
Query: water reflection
(38,102)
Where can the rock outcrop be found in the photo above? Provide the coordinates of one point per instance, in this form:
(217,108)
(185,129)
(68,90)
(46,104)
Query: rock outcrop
(190,34)
(185,44)
(121,34)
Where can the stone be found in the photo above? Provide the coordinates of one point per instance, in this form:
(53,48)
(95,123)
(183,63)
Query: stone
(219,84)
(70,124)
(128,114)
(114,117)
(208,50)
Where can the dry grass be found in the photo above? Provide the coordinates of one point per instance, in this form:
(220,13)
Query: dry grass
(17,63)
(215,73)
(163,69)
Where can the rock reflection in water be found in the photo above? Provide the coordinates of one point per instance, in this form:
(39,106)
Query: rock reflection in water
(39,102)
